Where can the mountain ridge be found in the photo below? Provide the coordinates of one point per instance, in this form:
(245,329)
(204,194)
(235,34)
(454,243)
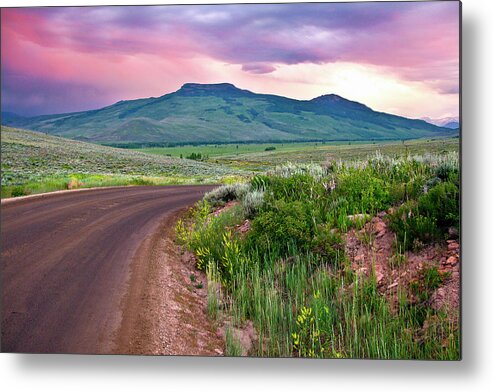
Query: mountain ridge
(445,122)
(222,112)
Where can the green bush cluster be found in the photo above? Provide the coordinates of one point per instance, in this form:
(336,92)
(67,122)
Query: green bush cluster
(282,226)
(197,156)
(429,217)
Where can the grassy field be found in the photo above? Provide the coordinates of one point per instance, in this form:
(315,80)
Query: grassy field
(255,157)
(33,162)
(344,260)
(234,150)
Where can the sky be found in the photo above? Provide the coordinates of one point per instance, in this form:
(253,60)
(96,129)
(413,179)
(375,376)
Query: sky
(400,58)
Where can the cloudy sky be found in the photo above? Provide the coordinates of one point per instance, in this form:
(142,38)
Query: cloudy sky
(401,58)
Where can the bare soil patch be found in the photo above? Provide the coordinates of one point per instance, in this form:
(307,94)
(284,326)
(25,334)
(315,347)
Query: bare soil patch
(371,249)
(164,311)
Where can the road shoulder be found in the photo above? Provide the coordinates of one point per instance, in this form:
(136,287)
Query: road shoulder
(164,311)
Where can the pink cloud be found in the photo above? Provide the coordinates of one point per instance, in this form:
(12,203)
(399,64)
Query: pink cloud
(131,51)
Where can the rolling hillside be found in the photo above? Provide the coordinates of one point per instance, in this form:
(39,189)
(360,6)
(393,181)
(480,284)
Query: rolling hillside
(201,113)
(32,157)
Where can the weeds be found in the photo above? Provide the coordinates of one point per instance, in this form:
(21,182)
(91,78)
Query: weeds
(233,345)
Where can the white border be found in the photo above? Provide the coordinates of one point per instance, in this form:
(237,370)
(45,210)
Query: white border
(86,373)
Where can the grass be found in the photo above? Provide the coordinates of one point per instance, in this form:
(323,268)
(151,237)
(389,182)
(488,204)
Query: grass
(235,150)
(81,180)
(233,346)
(254,156)
(33,162)
(290,275)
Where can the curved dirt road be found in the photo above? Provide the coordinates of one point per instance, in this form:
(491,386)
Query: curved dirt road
(67,260)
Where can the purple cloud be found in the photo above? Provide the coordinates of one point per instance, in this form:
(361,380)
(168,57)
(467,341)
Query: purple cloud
(415,41)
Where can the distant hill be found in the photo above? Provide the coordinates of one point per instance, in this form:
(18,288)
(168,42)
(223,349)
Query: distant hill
(221,113)
(452,125)
(446,122)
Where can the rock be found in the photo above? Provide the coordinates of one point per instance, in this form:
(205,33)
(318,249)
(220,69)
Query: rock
(452,260)
(379,276)
(218,352)
(453,246)
(244,227)
(359,258)
(437,299)
(380,226)
(381,234)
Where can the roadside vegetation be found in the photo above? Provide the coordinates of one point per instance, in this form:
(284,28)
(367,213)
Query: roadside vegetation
(349,259)
(33,162)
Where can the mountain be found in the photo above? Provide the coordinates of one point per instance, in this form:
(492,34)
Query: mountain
(201,113)
(452,125)
(9,117)
(446,122)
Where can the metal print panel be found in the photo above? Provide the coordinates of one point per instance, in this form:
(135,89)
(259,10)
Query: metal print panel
(269,180)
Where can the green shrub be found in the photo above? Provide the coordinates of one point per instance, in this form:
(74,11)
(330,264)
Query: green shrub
(364,192)
(442,204)
(428,281)
(295,187)
(19,190)
(411,228)
(447,171)
(429,217)
(432,279)
(226,193)
(252,202)
(283,225)
(196,156)
(329,244)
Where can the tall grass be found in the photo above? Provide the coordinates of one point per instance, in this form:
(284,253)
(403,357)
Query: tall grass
(290,275)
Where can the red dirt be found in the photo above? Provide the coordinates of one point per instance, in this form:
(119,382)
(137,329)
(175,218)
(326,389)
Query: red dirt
(372,248)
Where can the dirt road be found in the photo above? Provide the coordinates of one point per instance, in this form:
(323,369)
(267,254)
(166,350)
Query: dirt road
(71,261)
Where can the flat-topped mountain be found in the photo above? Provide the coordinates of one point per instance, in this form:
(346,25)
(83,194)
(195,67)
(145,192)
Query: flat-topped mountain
(220,113)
